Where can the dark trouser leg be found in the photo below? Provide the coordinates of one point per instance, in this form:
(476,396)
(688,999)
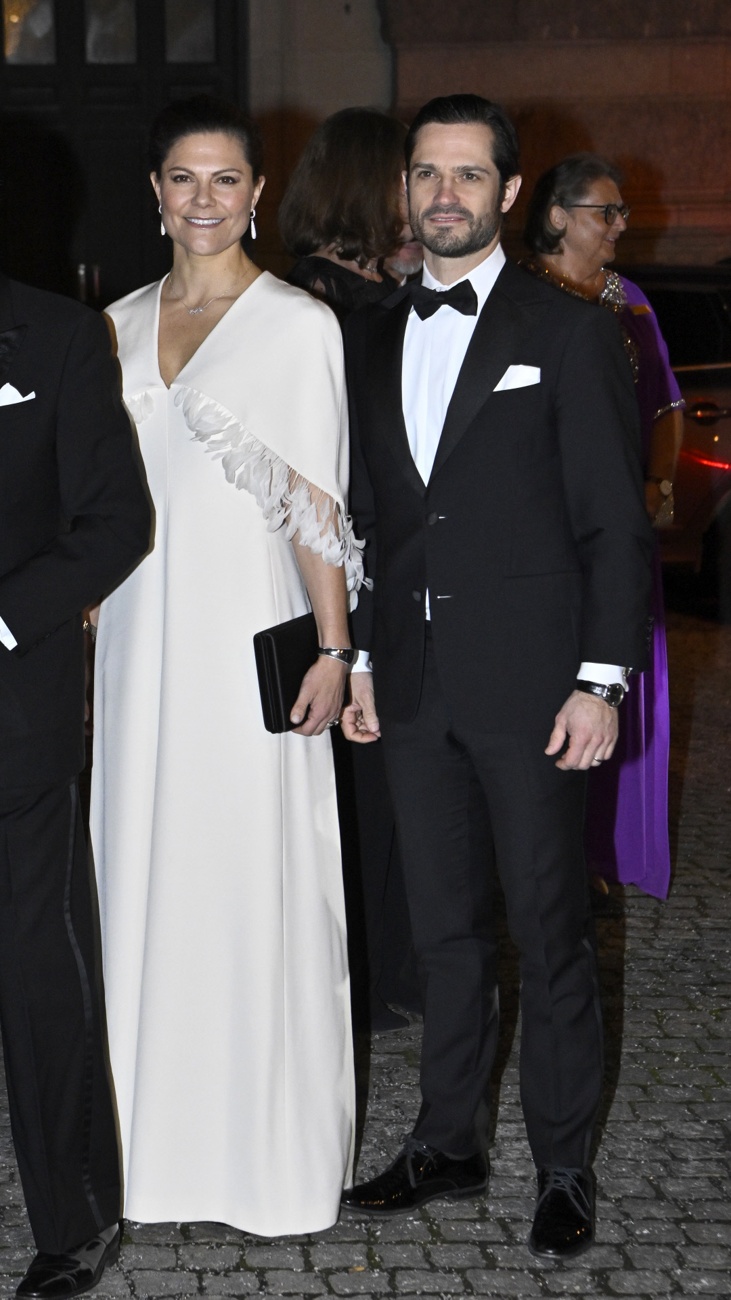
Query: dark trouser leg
(52,1016)
(535,821)
(536,815)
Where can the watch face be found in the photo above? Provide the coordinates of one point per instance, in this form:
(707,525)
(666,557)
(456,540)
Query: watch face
(666,487)
(614,695)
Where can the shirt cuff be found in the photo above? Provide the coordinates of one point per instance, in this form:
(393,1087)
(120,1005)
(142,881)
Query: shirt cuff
(6,637)
(363,662)
(604,674)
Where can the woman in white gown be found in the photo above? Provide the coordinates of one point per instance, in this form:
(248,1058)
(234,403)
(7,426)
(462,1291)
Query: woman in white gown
(216,844)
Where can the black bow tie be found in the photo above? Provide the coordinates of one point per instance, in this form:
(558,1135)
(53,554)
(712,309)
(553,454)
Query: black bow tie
(461,296)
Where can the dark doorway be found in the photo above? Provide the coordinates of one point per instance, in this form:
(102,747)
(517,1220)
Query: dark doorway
(79,84)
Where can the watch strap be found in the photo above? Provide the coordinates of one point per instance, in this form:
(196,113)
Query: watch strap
(612,695)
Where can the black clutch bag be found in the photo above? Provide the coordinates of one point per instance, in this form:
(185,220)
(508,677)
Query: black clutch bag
(283,655)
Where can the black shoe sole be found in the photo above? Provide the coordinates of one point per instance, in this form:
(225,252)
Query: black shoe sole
(459,1194)
(572,1253)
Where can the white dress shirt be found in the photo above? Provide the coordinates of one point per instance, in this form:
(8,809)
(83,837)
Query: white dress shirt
(6,637)
(434,351)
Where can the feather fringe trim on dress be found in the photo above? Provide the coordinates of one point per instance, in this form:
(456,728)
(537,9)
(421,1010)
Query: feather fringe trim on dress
(286,499)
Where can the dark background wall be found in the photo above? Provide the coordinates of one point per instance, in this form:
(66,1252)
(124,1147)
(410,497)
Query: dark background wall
(646,82)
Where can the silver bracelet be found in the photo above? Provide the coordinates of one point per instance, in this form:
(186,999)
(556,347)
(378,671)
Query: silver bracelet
(344,656)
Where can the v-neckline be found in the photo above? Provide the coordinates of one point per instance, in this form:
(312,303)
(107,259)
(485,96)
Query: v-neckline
(202,344)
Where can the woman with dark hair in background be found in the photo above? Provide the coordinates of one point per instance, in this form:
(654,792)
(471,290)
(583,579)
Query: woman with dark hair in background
(342,212)
(342,215)
(216,843)
(575,217)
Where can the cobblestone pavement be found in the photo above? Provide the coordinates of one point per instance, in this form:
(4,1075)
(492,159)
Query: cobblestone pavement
(664,1214)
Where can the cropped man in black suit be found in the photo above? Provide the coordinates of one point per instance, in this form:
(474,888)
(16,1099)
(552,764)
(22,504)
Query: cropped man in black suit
(496,476)
(74,519)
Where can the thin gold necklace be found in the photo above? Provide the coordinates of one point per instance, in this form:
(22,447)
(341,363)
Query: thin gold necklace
(196,311)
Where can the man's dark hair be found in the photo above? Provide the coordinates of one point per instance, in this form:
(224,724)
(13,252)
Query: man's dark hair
(566,183)
(203,114)
(344,191)
(466,110)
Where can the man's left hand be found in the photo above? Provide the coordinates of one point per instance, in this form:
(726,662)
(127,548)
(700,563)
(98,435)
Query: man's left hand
(591,728)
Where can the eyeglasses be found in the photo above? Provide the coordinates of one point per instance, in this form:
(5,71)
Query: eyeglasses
(611,210)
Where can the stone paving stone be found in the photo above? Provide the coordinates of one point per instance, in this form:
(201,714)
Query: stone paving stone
(660,1232)
(401,1229)
(481,1231)
(149,1283)
(231,1284)
(456,1256)
(115,1286)
(709,1233)
(503,1282)
(206,1258)
(653,1256)
(332,1256)
(149,1257)
(275,1257)
(707,1256)
(699,1283)
(362,1284)
(432,1283)
(280,1281)
(403,1256)
(639,1282)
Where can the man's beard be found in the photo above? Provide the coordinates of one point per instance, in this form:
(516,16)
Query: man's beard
(448,242)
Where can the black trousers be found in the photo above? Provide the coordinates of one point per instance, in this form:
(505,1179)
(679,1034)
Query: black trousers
(469,806)
(52,1017)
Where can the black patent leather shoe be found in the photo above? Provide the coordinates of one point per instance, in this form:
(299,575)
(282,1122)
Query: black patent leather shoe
(60,1277)
(563,1224)
(418,1174)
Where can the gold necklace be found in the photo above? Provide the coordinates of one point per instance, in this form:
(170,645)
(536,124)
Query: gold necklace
(569,286)
(196,311)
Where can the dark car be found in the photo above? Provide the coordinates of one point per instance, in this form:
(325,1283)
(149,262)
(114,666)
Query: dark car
(693,308)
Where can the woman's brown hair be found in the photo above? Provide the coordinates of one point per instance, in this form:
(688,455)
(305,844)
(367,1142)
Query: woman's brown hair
(344,190)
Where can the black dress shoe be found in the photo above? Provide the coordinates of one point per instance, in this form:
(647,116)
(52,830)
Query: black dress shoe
(563,1224)
(60,1277)
(418,1174)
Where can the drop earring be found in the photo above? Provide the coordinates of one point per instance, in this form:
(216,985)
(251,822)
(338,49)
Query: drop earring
(252,223)
(163,231)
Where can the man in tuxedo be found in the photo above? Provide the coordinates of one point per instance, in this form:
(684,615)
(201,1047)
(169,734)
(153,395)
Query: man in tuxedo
(75,519)
(496,477)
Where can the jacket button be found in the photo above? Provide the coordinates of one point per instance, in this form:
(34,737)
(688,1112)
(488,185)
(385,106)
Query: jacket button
(432,519)
(416,595)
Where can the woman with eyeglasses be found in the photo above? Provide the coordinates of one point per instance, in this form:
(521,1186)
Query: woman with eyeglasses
(575,217)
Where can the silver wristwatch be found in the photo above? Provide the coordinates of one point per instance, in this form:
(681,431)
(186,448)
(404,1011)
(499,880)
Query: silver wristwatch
(346,656)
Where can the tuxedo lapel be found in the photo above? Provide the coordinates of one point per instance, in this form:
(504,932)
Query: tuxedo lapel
(11,335)
(504,322)
(388,349)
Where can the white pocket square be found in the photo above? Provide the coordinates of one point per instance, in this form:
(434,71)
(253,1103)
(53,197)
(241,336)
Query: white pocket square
(10,396)
(518,377)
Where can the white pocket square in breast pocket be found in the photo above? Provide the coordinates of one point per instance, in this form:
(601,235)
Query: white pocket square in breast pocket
(518,377)
(10,396)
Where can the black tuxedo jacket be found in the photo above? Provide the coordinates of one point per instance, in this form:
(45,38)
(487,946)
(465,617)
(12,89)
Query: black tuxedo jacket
(531,535)
(74,518)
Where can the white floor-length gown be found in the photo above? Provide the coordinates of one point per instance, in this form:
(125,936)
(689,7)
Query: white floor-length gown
(216,844)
